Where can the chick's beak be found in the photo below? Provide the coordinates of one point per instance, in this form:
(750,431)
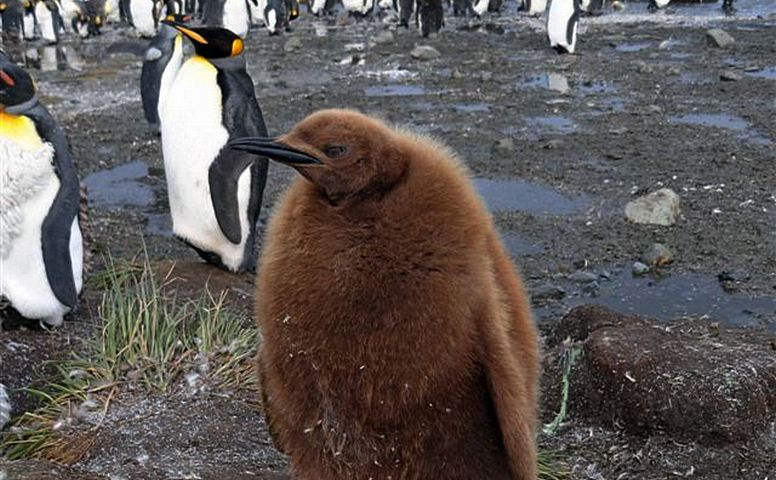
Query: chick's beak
(275,150)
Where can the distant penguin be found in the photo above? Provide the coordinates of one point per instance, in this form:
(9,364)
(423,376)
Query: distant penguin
(29,22)
(358,8)
(591,7)
(161,62)
(397,337)
(230,14)
(406,9)
(655,5)
(144,15)
(463,8)
(533,7)
(430,17)
(322,7)
(211,100)
(12,14)
(275,15)
(480,7)
(41,249)
(562,25)
(49,20)
(727,7)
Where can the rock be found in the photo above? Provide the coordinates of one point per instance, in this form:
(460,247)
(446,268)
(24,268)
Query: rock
(673,71)
(657,208)
(643,67)
(424,53)
(654,109)
(557,82)
(548,291)
(292,44)
(583,277)
(688,382)
(719,38)
(383,38)
(456,74)
(639,269)
(503,147)
(736,276)
(486,76)
(553,144)
(730,76)
(657,255)
(617,5)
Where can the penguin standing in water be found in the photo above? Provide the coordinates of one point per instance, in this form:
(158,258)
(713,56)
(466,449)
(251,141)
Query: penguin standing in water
(533,7)
(230,14)
(161,62)
(398,340)
(562,24)
(210,101)
(41,249)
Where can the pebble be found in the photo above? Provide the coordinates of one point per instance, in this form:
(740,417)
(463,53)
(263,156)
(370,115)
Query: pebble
(618,5)
(583,277)
(673,71)
(553,144)
(639,268)
(643,67)
(657,255)
(425,52)
(292,44)
(503,146)
(456,74)
(549,291)
(656,208)
(729,76)
(719,38)
(383,38)
(557,83)
(486,76)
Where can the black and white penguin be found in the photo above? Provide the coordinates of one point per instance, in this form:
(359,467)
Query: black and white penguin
(358,8)
(274,14)
(47,13)
(430,17)
(480,7)
(144,16)
(655,5)
(12,15)
(41,248)
(533,7)
(161,62)
(463,8)
(562,24)
(727,7)
(28,23)
(322,7)
(406,9)
(591,7)
(214,203)
(230,14)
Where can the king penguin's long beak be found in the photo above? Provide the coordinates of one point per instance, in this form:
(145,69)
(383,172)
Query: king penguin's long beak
(186,31)
(271,148)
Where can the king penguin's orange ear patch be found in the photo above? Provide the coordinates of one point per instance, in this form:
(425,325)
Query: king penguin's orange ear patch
(237,47)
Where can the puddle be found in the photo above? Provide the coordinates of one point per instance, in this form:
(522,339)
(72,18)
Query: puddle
(682,295)
(588,87)
(721,120)
(394,91)
(554,82)
(472,107)
(632,47)
(769,72)
(120,187)
(506,195)
(554,123)
(159,224)
(517,245)
(694,79)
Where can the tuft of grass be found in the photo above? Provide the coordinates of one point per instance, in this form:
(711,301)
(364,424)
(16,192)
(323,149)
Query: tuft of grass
(149,338)
(550,466)
(571,353)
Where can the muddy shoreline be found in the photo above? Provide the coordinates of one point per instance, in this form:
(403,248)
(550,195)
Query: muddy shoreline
(557,145)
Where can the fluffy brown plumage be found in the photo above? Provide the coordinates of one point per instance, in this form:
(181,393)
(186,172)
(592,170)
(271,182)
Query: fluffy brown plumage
(398,338)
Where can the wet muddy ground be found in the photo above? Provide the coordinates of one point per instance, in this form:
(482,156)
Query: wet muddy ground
(557,146)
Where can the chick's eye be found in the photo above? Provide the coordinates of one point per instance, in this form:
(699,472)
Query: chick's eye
(335,151)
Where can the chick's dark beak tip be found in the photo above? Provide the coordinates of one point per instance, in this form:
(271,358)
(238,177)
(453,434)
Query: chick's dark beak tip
(272,149)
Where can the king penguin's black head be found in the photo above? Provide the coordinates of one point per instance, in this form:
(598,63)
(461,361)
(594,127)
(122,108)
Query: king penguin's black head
(16,85)
(211,42)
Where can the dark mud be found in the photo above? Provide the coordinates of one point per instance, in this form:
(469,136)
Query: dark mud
(558,146)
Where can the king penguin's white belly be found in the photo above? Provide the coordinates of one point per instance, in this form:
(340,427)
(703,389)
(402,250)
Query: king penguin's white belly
(558,19)
(29,26)
(537,6)
(192,136)
(143,17)
(170,71)
(28,185)
(236,17)
(45,22)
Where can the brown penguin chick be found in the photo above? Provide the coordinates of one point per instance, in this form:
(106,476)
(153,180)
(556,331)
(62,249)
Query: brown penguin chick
(398,338)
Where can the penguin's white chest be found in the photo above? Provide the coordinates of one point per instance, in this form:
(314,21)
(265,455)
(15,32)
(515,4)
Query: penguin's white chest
(45,22)
(143,17)
(192,137)
(561,21)
(236,17)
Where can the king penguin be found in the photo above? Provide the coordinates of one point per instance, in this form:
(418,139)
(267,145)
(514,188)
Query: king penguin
(533,7)
(230,14)
(398,340)
(162,60)
(655,5)
(562,24)
(47,13)
(210,101)
(143,15)
(41,249)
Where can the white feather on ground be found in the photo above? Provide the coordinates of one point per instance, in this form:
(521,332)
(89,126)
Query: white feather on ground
(5,407)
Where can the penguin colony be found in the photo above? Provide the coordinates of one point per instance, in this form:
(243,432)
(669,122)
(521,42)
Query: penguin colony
(48,20)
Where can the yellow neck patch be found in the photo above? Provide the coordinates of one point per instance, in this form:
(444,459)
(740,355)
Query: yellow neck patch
(20,129)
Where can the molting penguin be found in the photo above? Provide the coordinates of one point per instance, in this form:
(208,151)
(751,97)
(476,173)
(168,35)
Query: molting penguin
(41,250)
(430,17)
(655,5)
(144,15)
(562,25)
(230,14)
(161,62)
(398,338)
(214,209)
(533,7)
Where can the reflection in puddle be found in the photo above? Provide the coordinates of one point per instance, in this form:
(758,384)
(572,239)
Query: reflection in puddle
(517,245)
(679,296)
(769,72)
(724,121)
(394,91)
(555,82)
(632,47)
(501,195)
(120,187)
(554,123)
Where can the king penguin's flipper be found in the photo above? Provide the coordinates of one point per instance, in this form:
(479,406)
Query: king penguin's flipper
(58,224)
(240,118)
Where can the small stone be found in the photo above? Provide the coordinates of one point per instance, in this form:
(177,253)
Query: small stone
(656,208)
(736,276)
(549,291)
(557,82)
(617,5)
(618,130)
(654,109)
(456,74)
(486,76)
(643,67)
(425,52)
(583,277)
(719,38)
(503,147)
(383,38)
(553,144)
(673,71)
(657,255)
(292,44)
(729,76)
(639,269)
